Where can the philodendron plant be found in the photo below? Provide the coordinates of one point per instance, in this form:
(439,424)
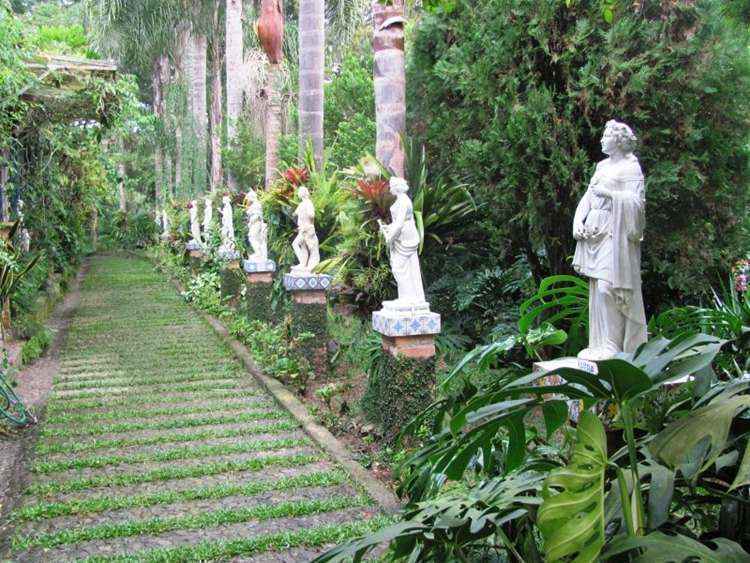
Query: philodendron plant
(628,494)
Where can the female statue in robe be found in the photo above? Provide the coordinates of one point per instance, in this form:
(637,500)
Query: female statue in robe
(402,239)
(257,230)
(195,228)
(228,246)
(608,225)
(208,217)
(305,244)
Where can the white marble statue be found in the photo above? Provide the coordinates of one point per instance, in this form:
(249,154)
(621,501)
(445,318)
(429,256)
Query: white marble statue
(167,232)
(305,245)
(608,225)
(402,239)
(228,248)
(195,227)
(257,230)
(208,218)
(25,236)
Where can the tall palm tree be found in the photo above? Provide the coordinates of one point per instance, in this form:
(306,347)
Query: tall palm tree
(216,116)
(233,61)
(311,74)
(199,107)
(270,30)
(390,83)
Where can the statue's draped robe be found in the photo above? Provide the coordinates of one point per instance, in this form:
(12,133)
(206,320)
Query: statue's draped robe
(257,231)
(227,229)
(195,228)
(611,258)
(404,249)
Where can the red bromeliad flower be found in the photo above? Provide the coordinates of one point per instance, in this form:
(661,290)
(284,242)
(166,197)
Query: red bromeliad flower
(296,176)
(377,194)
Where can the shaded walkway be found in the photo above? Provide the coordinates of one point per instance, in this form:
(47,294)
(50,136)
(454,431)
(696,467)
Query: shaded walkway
(157,445)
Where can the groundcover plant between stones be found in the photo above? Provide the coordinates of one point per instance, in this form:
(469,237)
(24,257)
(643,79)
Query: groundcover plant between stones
(157,446)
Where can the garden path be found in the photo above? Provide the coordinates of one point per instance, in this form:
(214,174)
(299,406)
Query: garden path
(158,446)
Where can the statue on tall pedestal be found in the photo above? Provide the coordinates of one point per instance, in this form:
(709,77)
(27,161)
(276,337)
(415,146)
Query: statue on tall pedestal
(609,225)
(195,228)
(25,236)
(305,245)
(402,239)
(208,218)
(228,248)
(166,234)
(257,230)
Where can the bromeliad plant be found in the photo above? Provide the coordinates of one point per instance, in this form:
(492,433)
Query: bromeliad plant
(621,489)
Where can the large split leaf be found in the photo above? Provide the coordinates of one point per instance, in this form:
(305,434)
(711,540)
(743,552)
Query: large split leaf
(661,548)
(571,518)
(693,443)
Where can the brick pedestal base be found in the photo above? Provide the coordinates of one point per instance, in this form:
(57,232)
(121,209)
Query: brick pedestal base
(231,283)
(418,347)
(258,296)
(195,258)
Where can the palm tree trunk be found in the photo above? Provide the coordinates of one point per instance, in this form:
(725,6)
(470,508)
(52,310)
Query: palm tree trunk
(234,51)
(390,84)
(311,74)
(216,100)
(273,122)
(121,186)
(178,164)
(199,108)
(158,112)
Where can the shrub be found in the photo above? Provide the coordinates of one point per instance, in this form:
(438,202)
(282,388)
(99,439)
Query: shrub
(512,96)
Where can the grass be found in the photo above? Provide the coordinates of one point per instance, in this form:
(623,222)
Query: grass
(175,454)
(92,505)
(44,448)
(223,550)
(169,473)
(221,517)
(166,424)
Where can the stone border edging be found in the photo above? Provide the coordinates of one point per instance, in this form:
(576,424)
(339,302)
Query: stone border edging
(321,435)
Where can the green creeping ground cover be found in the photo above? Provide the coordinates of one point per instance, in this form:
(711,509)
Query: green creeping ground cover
(157,445)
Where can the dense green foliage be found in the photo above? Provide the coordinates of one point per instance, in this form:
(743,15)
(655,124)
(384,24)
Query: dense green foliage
(512,95)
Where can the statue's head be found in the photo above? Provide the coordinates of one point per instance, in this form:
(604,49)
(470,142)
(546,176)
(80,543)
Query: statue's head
(618,137)
(226,200)
(398,186)
(303,192)
(251,196)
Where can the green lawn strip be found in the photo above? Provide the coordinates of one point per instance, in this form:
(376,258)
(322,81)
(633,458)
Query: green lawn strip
(149,374)
(61,406)
(92,505)
(221,517)
(171,472)
(278,541)
(183,452)
(163,380)
(122,414)
(166,424)
(45,448)
(154,391)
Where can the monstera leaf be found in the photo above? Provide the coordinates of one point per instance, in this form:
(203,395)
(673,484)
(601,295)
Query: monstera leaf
(661,548)
(693,443)
(571,517)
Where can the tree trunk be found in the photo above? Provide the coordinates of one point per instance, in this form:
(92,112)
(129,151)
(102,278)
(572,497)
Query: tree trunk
(158,152)
(234,58)
(198,57)
(390,84)
(168,174)
(273,123)
(121,186)
(4,178)
(216,99)
(311,74)
(178,160)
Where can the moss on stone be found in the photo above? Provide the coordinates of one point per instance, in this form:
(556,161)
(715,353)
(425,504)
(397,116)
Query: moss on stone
(399,388)
(258,302)
(232,281)
(312,318)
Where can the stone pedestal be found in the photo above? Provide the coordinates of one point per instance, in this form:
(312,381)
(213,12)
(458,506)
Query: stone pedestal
(259,285)
(231,283)
(195,256)
(310,315)
(402,385)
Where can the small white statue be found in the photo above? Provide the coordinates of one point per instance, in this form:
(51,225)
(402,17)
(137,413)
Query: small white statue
(228,248)
(305,245)
(402,239)
(208,218)
(608,225)
(24,235)
(195,227)
(257,230)
(166,234)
